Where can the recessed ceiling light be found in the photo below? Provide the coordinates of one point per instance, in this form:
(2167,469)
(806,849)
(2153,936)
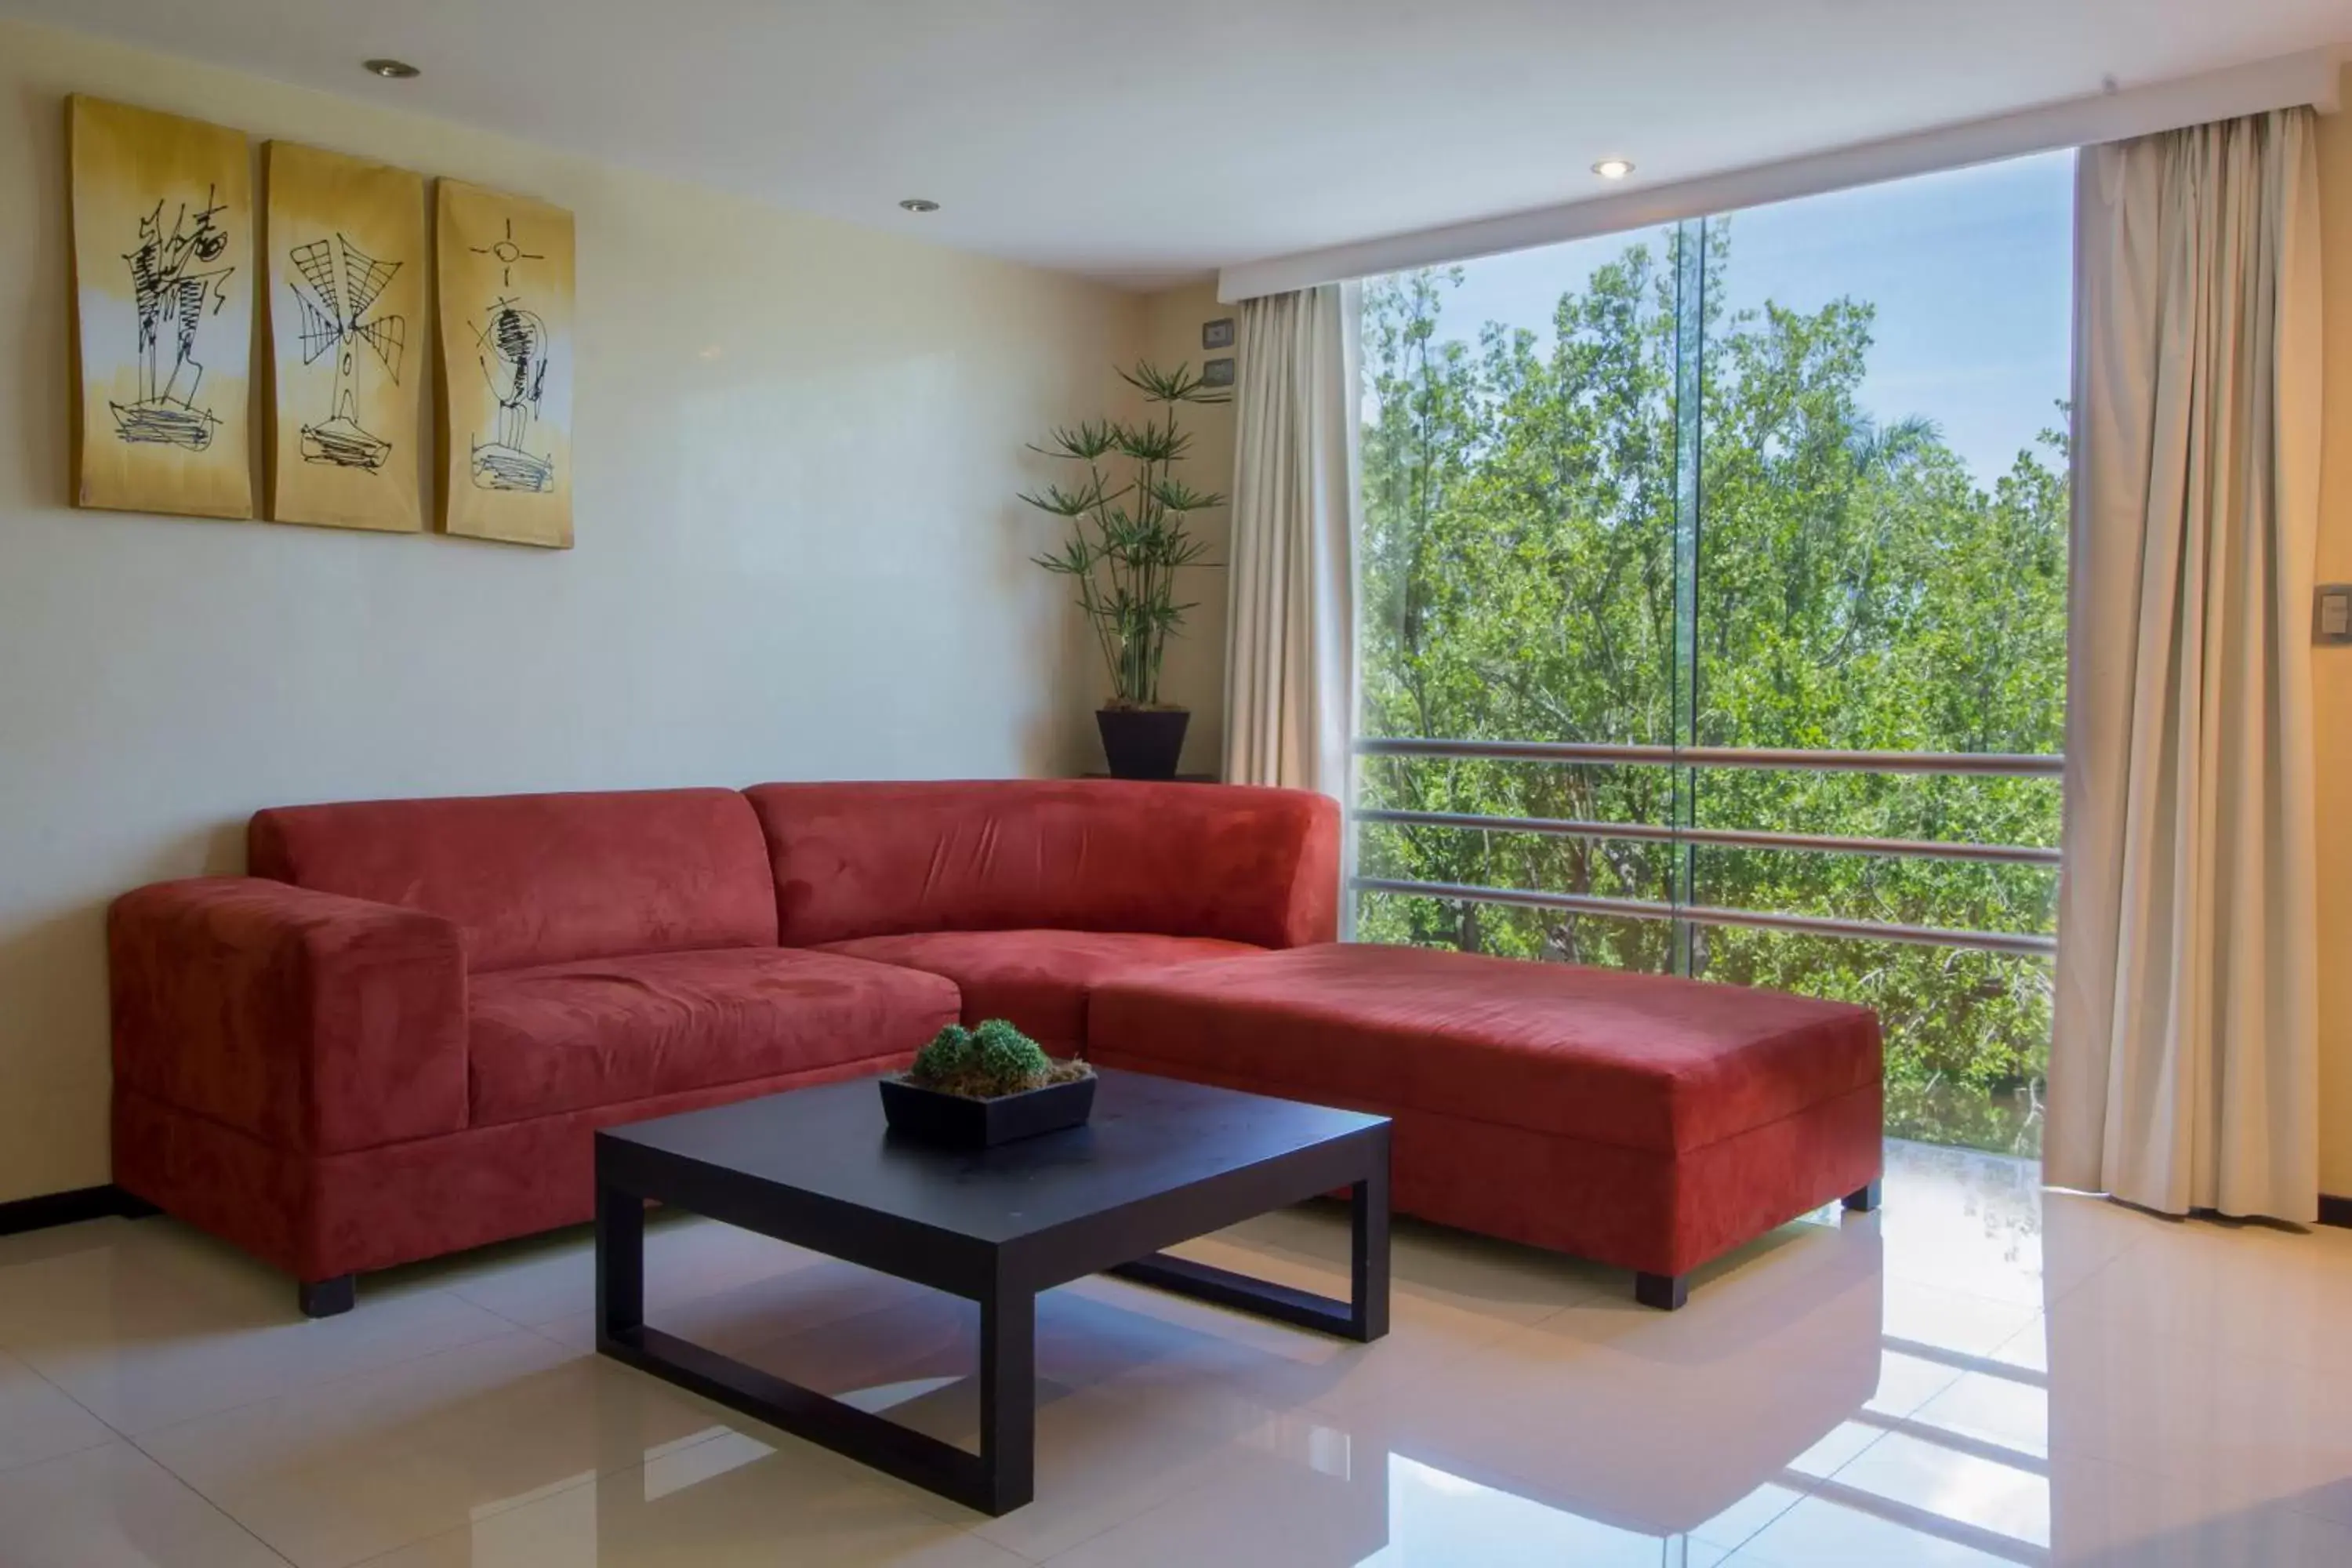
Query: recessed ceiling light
(1614,168)
(392,70)
(919,205)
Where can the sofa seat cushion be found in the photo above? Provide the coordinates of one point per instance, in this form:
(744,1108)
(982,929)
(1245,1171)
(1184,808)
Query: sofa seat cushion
(1640,1061)
(594,1032)
(1039,979)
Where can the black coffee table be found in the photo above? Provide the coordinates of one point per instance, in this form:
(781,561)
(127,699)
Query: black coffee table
(1160,1162)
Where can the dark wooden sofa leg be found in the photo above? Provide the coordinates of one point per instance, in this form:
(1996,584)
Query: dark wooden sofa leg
(1863,1200)
(328,1298)
(1666,1292)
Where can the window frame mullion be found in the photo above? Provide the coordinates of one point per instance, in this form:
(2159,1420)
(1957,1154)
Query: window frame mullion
(1689,403)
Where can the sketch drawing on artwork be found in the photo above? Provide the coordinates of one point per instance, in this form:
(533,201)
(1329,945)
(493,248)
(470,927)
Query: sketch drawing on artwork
(507,293)
(339,285)
(511,343)
(508,253)
(174,287)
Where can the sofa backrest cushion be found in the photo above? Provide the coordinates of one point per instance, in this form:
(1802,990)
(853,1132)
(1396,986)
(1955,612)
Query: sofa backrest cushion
(1177,860)
(540,879)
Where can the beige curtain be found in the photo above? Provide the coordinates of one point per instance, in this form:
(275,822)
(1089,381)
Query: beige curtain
(2184,1062)
(1290,654)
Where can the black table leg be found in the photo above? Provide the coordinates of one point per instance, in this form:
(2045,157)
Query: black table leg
(1368,1257)
(1364,1316)
(1001,1477)
(1008,1397)
(620,1262)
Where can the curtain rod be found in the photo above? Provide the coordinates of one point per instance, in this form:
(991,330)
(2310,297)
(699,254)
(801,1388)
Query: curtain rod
(2309,78)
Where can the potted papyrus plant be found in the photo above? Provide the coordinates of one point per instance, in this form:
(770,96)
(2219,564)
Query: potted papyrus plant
(1130,540)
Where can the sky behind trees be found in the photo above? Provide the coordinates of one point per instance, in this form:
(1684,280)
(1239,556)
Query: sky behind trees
(1973,273)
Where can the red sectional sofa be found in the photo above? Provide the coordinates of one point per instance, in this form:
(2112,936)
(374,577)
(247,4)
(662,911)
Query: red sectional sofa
(395,1038)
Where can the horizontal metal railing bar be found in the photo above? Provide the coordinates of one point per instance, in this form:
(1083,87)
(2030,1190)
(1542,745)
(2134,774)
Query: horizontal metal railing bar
(2016,944)
(1725,837)
(1999,764)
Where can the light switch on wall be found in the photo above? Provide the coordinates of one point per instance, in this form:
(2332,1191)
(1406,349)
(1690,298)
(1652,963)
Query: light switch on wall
(2331,621)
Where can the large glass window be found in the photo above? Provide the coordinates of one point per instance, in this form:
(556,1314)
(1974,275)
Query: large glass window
(1713,613)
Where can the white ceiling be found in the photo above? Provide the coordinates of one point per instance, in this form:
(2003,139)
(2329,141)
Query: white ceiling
(1140,142)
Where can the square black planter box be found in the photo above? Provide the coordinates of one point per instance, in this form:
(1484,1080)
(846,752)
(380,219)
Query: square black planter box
(953,1121)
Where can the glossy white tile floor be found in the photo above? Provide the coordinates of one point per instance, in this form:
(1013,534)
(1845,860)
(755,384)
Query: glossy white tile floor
(1980,1373)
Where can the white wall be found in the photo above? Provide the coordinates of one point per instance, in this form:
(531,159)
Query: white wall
(798,557)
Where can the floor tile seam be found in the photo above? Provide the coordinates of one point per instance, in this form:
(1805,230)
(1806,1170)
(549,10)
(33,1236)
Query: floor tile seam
(737,1347)
(1611,1357)
(1331,1276)
(815,1259)
(477,1512)
(545,1332)
(1451,1361)
(2050,1300)
(315,1385)
(1911,1413)
(1840,1469)
(111,1436)
(508,1317)
(2073,1294)
(1802,1494)
(10,1468)
(1944,1285)
(1185,1495)
(1187,1419)
(2190,1349)
(1530,1488)
(1586,1295)
(1811,1493)
(477,1517)
(2038,1323)
(2197,1469)
(2157,1474)
(68,1395)
(205,1498)
(2339,1521)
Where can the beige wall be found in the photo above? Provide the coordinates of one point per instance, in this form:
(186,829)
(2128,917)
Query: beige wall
(799,556)
(2332,667)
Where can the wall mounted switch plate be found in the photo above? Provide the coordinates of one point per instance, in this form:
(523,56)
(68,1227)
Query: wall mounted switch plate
(2331,619)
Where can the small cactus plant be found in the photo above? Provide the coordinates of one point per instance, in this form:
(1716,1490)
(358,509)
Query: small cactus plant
(994,1059)
(1006,1056)
(950,1055)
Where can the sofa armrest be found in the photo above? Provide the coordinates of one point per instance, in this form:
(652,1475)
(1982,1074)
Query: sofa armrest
(1311,913)
(314,1022)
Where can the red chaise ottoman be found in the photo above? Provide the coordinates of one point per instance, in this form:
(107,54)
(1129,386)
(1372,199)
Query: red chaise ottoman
(1637,1120)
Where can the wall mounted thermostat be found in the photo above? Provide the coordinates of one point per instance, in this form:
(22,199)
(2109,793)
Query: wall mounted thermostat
(2331,620)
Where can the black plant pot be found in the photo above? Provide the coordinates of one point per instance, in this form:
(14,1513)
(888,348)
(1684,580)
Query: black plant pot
(1142,743)
(953,1121)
